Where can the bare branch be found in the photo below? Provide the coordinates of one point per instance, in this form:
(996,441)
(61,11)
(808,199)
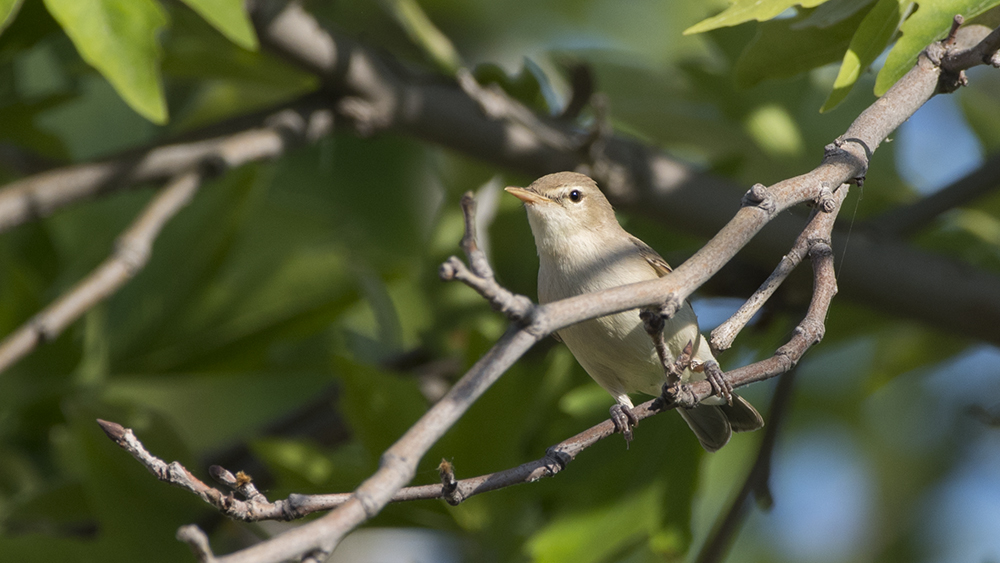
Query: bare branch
(131,254)
(479,274)
(978,46)
(245,139)
(820,224)
(497,105)
(256,507)
(197,541)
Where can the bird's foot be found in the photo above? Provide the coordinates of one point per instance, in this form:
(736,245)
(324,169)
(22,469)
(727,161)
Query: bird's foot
(683,362)
(720,387)
(624,420)
(678,394)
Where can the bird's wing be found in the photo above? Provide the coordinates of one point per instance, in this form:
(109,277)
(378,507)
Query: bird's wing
(652,258)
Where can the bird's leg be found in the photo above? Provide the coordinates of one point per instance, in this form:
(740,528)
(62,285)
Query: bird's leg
(685,361)
(624,419)
(653,321)
(720,386)
(675,391)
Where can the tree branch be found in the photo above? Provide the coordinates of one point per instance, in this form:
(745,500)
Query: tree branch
(820,226)
(239,141)
(131,254)
(846,160)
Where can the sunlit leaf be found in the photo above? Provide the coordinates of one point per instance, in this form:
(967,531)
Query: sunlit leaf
(867,44)
(119,39)
(930,22)
(8,10)
(775,131)
(422,31)
(593,535)
(742,11)
(230,18)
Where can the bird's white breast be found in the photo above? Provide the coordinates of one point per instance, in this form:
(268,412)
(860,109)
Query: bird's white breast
(615,350)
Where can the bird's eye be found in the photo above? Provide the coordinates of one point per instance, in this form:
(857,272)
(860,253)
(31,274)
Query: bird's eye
(575,196)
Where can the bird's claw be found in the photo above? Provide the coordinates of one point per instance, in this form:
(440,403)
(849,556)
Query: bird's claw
(679,394)
(720,386)
(624,420)
(683,362)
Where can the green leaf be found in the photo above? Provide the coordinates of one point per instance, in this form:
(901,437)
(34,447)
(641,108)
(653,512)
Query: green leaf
(781,50)
(595,534)
(743,11)
(230,18)
(832,12)
(930,22)
(422,31)
(867,44)
(191,402)
(118,38)
(8,9)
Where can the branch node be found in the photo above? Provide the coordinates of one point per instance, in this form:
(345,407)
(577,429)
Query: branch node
(556,460)
(40,327)
(368,504)
(956,23)
(819,248)
(318,555)
(826,201)
(449,485)
(759,196)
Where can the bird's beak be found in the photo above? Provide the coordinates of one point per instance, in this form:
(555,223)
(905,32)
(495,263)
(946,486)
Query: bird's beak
(527,196)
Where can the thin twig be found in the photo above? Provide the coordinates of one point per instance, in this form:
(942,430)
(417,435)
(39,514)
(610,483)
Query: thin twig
(239,141)
(821,221)
(131,253)
(256,507)
(479,275)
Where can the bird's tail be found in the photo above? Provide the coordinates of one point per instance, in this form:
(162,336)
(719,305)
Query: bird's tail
(714,425)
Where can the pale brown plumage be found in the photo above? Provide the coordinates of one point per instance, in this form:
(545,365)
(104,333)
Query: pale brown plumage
(582,249)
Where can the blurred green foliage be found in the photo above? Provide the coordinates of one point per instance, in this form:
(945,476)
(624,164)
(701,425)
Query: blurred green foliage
(291,322)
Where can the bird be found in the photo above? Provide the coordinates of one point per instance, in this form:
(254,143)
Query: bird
(582,249)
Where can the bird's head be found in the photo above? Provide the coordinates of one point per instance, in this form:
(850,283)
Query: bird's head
(562,206)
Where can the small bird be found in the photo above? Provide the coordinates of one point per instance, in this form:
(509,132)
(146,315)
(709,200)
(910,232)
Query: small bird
(583,249)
